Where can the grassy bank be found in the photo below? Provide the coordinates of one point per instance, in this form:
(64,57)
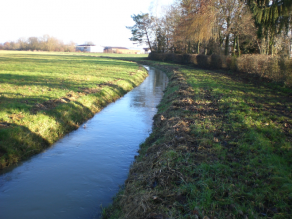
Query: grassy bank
(43,96)
(220,148)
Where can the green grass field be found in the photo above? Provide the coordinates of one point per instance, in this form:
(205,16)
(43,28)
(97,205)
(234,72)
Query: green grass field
(220,148)
(221,143)
(43,96)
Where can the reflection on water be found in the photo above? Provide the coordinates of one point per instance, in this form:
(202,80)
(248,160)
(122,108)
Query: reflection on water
(83,170)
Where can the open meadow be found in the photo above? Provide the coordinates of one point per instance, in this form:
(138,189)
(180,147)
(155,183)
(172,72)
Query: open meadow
(44,96)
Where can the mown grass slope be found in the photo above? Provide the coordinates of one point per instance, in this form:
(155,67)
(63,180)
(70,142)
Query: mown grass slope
(220,148)
(43,96)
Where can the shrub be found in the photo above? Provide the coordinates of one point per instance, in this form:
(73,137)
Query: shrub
(157,56)
(257,64)
(246,63)
(289,73)
(272,67)
(231,63)
(180,59)
(286,70)
(190,59)
(203,61)
(193,59)
(274,71)
(169,57)
(275,68)
(224,61)
(216,61)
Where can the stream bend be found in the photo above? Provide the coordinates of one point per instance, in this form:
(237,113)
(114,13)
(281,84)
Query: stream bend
(84,169)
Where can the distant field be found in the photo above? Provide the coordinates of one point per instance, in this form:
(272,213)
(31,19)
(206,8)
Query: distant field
(45,95)
(130,57)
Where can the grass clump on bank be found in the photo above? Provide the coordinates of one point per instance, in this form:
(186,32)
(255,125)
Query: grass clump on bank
(220,148)
(43,96)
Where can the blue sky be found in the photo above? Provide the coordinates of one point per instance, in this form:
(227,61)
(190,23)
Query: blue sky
(100,21)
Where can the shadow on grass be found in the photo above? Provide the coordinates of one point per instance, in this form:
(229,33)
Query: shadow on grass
(17,143)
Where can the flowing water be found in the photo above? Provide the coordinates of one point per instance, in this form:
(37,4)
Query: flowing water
(83,170)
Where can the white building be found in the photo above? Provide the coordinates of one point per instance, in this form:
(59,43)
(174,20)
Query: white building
(137,50)
(147,50)
(89,48)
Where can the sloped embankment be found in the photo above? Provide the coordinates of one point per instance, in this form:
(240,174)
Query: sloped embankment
(220,148)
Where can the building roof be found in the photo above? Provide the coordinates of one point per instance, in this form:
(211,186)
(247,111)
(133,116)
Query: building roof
(110,47)
(135,48)
(87,45)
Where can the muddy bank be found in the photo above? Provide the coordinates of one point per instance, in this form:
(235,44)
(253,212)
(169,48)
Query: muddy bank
(203,160)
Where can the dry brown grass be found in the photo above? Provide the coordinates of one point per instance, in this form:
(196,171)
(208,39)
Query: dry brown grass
(271,67)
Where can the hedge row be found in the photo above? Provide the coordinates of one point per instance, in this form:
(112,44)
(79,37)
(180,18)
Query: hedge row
(266,66)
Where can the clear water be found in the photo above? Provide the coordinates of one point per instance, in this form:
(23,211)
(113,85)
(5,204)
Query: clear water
(83,171)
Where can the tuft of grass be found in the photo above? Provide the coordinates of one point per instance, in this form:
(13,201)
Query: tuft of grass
(44,96)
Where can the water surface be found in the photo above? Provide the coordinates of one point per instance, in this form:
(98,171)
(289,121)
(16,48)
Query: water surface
(84,169)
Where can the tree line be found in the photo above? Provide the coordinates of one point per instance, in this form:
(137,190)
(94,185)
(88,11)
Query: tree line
(229,27)
(44,43)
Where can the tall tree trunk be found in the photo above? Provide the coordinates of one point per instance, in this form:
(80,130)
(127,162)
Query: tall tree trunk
(189,47)
(268,44)
(198,51)
(272,44)
(227,37)
(290,47)
(227,45)
(238,48)
(148,40)
(234,45)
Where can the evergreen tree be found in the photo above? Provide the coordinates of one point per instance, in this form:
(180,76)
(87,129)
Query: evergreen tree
(142,29)
(271,17)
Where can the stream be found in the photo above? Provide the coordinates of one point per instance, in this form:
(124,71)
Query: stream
(82,171)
